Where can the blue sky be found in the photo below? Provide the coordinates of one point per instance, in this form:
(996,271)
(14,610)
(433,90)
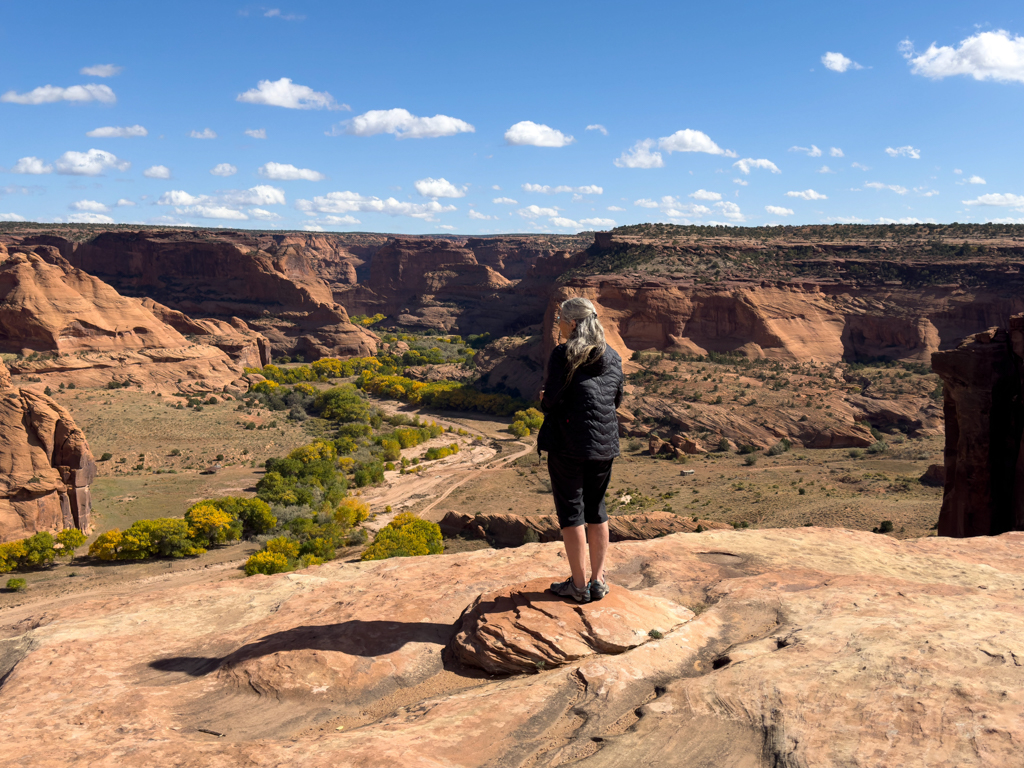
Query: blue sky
(472,117)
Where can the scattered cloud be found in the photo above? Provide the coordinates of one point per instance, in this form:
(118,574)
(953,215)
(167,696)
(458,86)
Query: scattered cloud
(598,223)
(435,188)
(615,208)
(157,172)
(313,228)
(703,194)
(342,219)
(640,155)
(730,211)
(95,162)
(811,151)
(262,215)
(688,140)
(449,227)
(481,216)
(836,152)
(529,133)
(985,56)
(839,63)
(674,208)
(178,197)
(563,223)
(748,162)
(256,133)
(89,218)
(861,166)
(894,187)
(808,194)
(275,13)
(350,202)
(110,132)
(225,205)
(597,127)
(957,171)
(776,210)
(122,203)
(101,70)
(505,201)
(998,199)
(741,182)
(847,220)
(285,93)
(907,151)
(47,94)
(589,189)
(535,211)
(261,194)
(32,165)
(89,205)
(904,220)
(224,169)
(645,203)
(976,180)
(403,124)
(288,172)
(825,169)
(206,133)
(213,212)
(11,217)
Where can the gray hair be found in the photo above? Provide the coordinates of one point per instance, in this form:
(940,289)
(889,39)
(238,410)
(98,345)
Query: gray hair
(586,342)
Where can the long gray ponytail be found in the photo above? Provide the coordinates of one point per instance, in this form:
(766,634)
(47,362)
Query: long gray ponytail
(586,343)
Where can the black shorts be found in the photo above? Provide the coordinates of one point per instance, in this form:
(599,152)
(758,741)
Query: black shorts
(578,486)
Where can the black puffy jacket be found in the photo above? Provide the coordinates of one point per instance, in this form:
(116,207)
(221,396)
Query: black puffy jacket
(580,421)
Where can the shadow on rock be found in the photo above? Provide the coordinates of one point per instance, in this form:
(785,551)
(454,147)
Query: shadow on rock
(354,638)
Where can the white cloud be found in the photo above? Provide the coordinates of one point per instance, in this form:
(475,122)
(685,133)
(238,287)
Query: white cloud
(985,56)
(645,203)
(32,165)
(598,127)
(703,194)
(481,216)
(811,151)
(261,194)
(730,210)
(894,187)
(688,140)
(125,203)
(285,93)
(349,202)
(615,208)
(529,133)
(435,188)
(825,169)
(1003,220)
(589,189)
(92,163)
(47,94)
(101,70)
(206,133)
(288,172)
(598,223)
(907,151)
(563,223)
(807,194)
(313,228)
(496,188)
(640,156)
(89,218)
(157,172)
(976,180)
(676,209)
(836,152)
(905,220)
(11,217)
(178,197)
(262,215)
(403,124)
(213,212)
(999,199)
(275,13)
(535,211)
(776,210)
(224,169)
(448,227)
(111,132)
(957,171)
(256,133)
(748,162)
(839,63)
(505,201)
(341,219)
(741,182)
(861,166)
(847,220)
(89,205)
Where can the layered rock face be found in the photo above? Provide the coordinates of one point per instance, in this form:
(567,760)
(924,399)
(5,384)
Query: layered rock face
(810,647)
(46,466)
(983,403)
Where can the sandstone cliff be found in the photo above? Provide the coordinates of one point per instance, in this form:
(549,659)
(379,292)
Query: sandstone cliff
(810,647)
(45,465)
(983,391)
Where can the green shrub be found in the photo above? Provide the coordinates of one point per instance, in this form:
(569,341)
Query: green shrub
(405,536)
(779,448)
(531,417)
(519,429)
(17,585)
(748,448)
(284,546)
(106,457)
(750,460)
(886,526)
(855,453)
(801,491)
(433,454)
(878,447)
(723,445)
(266,563)
(254,514)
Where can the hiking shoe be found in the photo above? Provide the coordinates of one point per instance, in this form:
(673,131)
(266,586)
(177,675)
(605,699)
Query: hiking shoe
(598,589)
(568,589)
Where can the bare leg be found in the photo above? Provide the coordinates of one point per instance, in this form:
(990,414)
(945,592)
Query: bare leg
(575,541)
(597,536)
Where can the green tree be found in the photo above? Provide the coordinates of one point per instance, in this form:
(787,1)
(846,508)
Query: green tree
(405,536)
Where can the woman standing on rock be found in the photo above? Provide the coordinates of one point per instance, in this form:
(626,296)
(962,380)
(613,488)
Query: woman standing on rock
(581,435)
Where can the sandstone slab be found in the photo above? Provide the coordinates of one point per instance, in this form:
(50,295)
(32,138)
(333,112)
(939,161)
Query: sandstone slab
(525,628)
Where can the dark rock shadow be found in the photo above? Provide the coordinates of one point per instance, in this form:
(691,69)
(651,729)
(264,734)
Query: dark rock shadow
(355,638)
